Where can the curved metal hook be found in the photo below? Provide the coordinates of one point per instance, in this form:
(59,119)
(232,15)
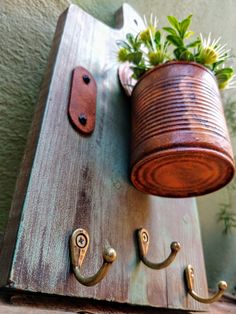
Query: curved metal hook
(189,275)
(79,243)
(143,243)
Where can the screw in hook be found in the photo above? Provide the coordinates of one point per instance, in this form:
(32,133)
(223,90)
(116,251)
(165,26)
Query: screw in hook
(144,237)
(81,241)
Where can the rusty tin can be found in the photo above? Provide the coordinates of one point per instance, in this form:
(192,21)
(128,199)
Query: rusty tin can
(180,142)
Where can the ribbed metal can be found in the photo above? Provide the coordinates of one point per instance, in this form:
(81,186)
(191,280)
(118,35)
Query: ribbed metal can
(180,142)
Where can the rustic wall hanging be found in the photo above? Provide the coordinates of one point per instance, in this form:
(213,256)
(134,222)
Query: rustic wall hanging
(69,180)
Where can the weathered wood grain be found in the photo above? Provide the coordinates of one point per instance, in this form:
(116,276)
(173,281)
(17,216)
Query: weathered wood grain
(74,181)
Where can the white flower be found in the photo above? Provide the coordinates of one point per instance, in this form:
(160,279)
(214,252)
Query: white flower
(153,21)
(212,52)
(150,28)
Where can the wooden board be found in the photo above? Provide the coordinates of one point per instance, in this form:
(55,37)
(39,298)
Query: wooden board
(68,181)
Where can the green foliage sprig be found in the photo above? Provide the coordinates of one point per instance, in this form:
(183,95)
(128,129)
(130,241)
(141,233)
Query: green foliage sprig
(228,218)
(154,46)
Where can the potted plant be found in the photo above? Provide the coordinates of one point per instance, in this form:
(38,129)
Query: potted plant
(180,142)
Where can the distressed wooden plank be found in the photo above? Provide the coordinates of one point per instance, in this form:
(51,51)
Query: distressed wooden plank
(78,181)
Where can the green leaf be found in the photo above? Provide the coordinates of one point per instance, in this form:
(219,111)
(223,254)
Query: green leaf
(177,52)
(223,76)
(208,66)
(157,38)
(217,64)
(194,43)
(170,30)
(138,72)
(123,44)
(137,40)
(166,44)
(188,34)
(176,41)
(137,45)
(130,38)
(184,25)
(135,57)
(186,56)
(174,22)
(225,73)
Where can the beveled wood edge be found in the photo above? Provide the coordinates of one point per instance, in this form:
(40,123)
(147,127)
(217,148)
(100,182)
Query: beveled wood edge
(77,305)
(9,239)
(17,302)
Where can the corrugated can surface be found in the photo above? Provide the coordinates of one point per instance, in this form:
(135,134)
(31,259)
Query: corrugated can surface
(180,141)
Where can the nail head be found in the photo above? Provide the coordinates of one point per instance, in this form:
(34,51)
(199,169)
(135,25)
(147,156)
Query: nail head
(86,79)
(83,119)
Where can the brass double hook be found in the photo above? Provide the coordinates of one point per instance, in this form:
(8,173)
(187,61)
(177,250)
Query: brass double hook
(143,244)
(79,243)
